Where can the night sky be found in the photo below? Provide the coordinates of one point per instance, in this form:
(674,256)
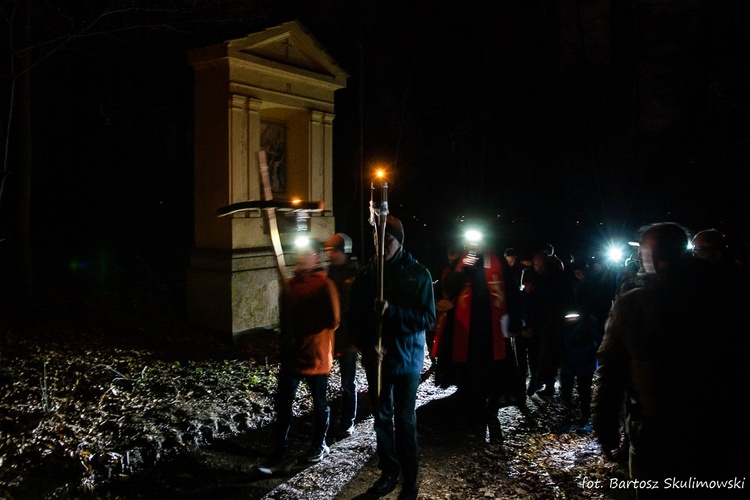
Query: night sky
(564,122)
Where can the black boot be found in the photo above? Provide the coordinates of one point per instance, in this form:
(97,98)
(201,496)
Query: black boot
(387,483)
(496,431)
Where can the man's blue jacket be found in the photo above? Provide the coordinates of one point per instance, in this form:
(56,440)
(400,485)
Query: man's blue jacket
(407,286)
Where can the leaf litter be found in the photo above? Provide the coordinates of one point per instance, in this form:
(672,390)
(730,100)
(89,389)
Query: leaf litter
(101,402)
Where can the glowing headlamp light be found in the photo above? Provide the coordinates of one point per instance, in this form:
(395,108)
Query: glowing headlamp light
(614,254)
(301,242)
(473,236)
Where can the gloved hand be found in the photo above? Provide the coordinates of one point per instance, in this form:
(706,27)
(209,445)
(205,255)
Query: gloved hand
(443,305)
(380,307)
(380,353)
(470,259)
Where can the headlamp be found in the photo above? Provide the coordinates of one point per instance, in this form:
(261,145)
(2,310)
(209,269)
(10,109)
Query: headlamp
(301,242)
(614,254)
(473,236)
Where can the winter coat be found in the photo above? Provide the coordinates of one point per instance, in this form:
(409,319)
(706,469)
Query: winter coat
(309,314)
(343,276)
(535,311)
(579,343)
(662,355)
(411,311)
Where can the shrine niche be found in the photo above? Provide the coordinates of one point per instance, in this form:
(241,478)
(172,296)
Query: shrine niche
(273,142)
(271,91)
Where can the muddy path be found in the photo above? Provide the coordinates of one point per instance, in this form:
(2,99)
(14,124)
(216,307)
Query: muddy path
(542,457)
(125,400)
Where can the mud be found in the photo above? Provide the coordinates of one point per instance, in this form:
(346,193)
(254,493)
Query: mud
(101,402)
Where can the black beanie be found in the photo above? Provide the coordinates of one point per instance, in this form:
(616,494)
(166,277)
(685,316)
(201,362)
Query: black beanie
(394,227)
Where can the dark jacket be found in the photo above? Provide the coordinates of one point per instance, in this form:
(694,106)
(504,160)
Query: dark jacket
(309,314)
(662,355)
(534,310)
(411,311)
(343,277)
(580,340)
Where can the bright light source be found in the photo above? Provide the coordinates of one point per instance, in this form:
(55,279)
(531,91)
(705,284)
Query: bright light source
(302,242)
(615,254)
(473,236)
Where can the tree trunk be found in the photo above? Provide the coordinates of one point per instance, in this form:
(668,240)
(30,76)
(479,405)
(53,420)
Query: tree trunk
(25,162)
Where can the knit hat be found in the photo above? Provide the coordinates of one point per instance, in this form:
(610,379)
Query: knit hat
(394,227)
(340,241)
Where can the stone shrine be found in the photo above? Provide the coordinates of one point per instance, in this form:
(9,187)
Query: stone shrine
(271,91)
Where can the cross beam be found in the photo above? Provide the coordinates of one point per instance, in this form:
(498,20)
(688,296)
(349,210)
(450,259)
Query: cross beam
(244,206)
(268,207)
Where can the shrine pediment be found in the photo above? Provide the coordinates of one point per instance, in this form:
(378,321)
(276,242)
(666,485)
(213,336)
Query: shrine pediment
(288,46)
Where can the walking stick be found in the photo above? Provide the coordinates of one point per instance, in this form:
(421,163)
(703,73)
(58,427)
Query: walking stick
(378,219)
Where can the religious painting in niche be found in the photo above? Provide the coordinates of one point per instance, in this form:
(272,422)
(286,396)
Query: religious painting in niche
(273,142)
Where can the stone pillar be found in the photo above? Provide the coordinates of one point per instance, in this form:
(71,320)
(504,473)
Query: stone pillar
(321,132)
(276,84)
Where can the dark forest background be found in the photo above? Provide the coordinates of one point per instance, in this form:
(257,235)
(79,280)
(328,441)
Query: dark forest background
(570,122)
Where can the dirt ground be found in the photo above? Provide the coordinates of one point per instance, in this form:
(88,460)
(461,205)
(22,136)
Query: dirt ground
(118,397)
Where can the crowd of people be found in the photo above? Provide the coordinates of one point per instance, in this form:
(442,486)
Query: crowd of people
(540,317)
(646,355)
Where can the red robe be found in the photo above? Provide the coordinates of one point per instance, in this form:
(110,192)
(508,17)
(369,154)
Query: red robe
(493,272)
